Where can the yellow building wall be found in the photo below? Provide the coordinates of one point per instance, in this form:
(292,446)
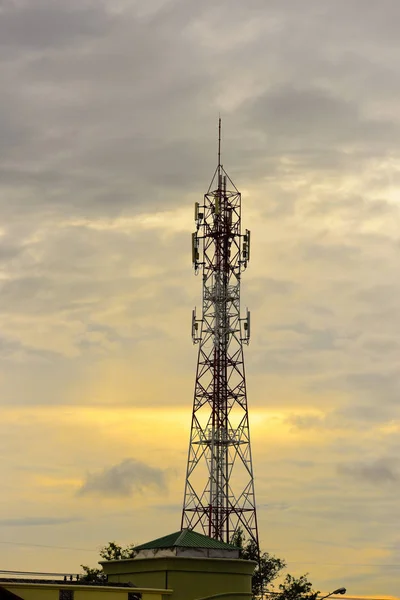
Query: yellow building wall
(188,578)
(32,591)
(33,594)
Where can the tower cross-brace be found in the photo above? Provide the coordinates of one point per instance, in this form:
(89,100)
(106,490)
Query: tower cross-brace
(219,494)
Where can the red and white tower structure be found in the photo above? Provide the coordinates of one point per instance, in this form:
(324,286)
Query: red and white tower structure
(219,490)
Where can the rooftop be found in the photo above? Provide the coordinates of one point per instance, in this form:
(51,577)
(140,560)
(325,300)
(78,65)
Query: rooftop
(186,539)
(63,582)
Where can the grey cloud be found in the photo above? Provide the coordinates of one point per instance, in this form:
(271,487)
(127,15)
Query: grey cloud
(269,285)
(312,125)
(379,295)
(49,24)
(303,112)
(378,472)
(173,508)
(322,311)
(355,417)
(9,348)
(305,421)
(8,250)
(330,253)
(64,162)
(13,350)
(21,291)
(14,133)
(65,281)
(38,521)
(275,506)
(353,207)
(381,346)
(364,415)
(130,162)
(374,398)
(281,362)
(124,479)
(385,383)
(259,288)
(299,355)
(379,319)
(281,204)
(310,338)
(376,24)
(78,269)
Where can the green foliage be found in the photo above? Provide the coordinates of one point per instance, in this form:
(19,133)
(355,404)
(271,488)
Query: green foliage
(112,551)
(238,539)
(268,568)
(92,575)
(294,588)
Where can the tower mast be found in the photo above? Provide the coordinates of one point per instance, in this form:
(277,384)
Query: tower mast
(219,494)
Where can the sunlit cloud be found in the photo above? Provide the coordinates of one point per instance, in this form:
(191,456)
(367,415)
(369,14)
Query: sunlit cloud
(124,479)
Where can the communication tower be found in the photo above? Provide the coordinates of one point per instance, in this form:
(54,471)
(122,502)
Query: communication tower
(219,494)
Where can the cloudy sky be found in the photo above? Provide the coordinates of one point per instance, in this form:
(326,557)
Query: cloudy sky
(108,118)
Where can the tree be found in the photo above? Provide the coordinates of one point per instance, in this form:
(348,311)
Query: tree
(112,551)
(115,552)
(268,568)
(293,589)
(90,575)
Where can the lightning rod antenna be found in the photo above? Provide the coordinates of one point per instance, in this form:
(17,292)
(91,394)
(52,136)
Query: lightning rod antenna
(219,143)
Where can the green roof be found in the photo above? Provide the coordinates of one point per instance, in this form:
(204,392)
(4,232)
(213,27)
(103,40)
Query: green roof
(185,539)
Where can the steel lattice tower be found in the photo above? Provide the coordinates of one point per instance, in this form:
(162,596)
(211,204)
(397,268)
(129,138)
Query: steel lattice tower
(219,491)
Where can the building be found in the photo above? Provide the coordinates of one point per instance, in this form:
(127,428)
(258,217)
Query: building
(184,565)
(191,565)
(42,589)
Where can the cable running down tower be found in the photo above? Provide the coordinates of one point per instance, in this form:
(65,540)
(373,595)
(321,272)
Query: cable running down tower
(219,490)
